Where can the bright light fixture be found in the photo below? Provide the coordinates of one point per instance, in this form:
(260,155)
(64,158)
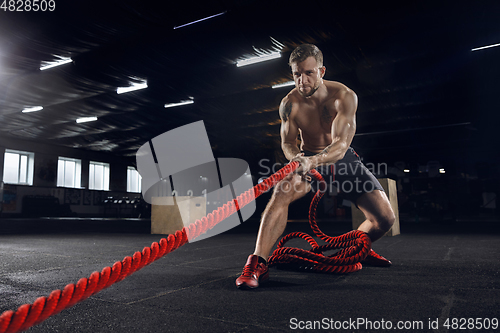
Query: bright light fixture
(86,119)
(49,64)
(203,19)
(442,171)
(286,84)
(133,87)
(485,47)
(257,59)
(33,109)
(170,105)
(406,170)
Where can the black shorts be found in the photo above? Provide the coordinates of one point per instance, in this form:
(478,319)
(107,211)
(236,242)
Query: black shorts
(348,178)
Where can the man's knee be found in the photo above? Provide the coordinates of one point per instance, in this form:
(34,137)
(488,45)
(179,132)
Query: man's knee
(386,220)
(290,189)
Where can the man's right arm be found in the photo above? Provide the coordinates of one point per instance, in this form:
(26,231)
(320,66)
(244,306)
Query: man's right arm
(289,130)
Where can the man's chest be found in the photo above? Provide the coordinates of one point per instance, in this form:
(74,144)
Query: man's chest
(315,119)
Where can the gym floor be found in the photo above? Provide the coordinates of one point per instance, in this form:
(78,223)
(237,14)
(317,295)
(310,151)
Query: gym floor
(440,272)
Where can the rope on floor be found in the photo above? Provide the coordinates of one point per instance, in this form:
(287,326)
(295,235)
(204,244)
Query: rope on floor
(28,315)
(355,246)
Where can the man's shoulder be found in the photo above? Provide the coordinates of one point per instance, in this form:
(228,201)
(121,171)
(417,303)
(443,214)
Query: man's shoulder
(337,89)
(291,99)
(287,105)
(341,97)
(292,96)
(339,93)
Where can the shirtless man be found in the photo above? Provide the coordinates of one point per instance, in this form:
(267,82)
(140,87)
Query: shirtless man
(324,114)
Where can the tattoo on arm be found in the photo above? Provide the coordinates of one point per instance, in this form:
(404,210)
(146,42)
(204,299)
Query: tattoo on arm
(285,111)
(325,151)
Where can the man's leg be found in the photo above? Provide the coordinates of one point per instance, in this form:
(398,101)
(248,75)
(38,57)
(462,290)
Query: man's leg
(379,219)
(275,215)
(378,212)
(272,225)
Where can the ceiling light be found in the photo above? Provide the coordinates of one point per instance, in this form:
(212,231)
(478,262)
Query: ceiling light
(86,119)
(133,87)
(257,59)
(49,64)
(170,105)
(286,84)
(33,109)
(406,170)
(485,47)
(203,19)
(442,171)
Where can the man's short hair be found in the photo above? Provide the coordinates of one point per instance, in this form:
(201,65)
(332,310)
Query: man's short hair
(304,51)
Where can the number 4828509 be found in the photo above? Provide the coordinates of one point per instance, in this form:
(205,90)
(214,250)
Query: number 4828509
(28,5)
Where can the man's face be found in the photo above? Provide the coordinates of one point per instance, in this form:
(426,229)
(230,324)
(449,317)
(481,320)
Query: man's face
(307,76)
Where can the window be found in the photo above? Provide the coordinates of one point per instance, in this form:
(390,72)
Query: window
(133,180)
(18,167)
(69,172)
(99,176)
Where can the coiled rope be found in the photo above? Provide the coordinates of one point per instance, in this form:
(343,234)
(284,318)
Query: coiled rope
(355,246)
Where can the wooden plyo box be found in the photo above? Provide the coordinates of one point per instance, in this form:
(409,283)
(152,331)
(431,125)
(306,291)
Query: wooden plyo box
(390,189)
(168,215)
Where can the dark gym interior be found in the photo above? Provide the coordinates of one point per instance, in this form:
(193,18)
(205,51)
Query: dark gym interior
(426,77)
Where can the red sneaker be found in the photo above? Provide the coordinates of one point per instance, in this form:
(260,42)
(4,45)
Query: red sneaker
(254,273)
(373,259)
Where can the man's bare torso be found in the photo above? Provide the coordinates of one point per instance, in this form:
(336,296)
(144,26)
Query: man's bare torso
(314,118)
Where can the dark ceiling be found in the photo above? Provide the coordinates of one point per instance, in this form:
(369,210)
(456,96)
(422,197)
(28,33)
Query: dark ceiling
(423,94)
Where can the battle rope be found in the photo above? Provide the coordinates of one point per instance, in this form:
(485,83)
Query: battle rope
(355,246)
(28,315)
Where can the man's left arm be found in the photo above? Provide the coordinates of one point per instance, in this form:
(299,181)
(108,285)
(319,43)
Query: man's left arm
(343,129)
